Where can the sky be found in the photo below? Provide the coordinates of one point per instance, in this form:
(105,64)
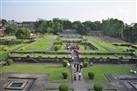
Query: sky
(31,10)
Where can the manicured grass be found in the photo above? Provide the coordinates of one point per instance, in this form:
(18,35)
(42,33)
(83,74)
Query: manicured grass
(101,70)
(42,44)
(8,37)
(42,55)
(105,56)
(53,70)
(104,46)
(3,54)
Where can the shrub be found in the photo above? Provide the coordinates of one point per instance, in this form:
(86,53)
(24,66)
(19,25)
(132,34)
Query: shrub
(9,61)
(57,47)
(98,87)
(65,75)
(91,75)
(58,38)
(65,63)
(63,87)
(85,63)
(22,49)
(23,33)
(5,49)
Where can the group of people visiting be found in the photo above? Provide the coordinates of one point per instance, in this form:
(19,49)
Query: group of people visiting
(77,71)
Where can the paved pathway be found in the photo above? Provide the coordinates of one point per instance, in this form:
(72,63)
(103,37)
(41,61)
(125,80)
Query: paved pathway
(79,85)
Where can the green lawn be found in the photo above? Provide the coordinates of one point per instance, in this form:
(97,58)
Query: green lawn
(100,70)
(41,44)
(42,55)
(105,56)
(105,46)
(53,70)
(3,54)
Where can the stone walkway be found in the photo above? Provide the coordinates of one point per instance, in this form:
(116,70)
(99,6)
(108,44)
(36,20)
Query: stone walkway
(79,85)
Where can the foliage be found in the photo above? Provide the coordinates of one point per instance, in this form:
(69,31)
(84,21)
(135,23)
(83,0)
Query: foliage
(79,27)
(57,47)
(65,75)
(55,26)
(5,49)
(113,27)
(9,61)
(98,87)
(65,63)
(63,87)
(85,63)
(91,75)
(11,29)
(130,33)
(23,33)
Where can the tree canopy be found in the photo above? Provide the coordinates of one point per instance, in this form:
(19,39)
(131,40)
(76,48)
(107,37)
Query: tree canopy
(23,33)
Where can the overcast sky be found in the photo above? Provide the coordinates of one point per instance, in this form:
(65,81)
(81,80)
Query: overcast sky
(30,10)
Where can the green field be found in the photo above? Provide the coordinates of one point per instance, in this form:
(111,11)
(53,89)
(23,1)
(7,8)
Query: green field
(54,71)
(45,43)
(105,46)
(41,44)
(101,70)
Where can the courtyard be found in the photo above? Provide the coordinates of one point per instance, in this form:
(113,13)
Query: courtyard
(45,55)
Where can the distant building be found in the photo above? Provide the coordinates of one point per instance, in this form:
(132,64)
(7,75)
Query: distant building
(30,25)
(2,29)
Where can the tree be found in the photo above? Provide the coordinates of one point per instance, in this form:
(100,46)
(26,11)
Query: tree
(41,26)
(130,33)
(11,29)
(23,33)
(67,24)
(79,27)
(113,27)
(4,22)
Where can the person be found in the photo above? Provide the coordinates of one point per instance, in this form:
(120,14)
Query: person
(81,65)
(79,75)
(77,67)
(75,76)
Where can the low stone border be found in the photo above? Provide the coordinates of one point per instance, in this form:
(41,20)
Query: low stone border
(104,89)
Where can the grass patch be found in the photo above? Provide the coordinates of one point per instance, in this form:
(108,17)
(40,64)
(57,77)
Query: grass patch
(100,70)
(53,70)
(42,44)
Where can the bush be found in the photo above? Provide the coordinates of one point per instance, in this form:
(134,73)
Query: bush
(5,49)
(63,87)
(23,33)
(91,75)
(65,75)
(65,63)
(22,49)
(98,87)
(58,38)
(57,47)
(85,63)
(9,61)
